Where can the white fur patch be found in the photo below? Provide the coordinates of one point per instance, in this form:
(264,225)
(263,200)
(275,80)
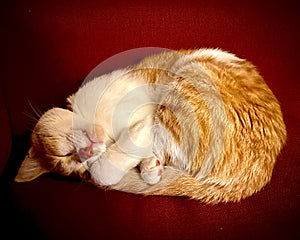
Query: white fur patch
(104,172)
(216,54)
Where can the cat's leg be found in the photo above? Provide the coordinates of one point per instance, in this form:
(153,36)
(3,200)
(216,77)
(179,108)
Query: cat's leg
(110,167)
(126,153)
(151,170)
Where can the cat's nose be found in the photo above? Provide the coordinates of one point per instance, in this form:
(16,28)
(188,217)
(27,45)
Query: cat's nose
(86,152)
(92,150)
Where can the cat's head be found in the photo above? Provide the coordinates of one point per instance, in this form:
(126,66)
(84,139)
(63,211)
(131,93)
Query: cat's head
(56,146)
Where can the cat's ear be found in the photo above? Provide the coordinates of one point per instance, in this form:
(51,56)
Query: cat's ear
(31,168)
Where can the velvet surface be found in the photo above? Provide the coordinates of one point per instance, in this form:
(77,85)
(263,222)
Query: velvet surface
(49,47)
(5,133)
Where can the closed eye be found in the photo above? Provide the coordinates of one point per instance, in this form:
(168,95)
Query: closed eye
(66,155)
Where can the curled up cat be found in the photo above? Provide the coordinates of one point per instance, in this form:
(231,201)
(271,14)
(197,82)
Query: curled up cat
(196,123)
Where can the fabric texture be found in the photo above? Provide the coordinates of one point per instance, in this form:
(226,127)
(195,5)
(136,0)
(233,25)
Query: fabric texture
(5,133)
(49,47)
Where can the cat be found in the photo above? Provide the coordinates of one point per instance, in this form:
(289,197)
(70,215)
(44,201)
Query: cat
(198,123)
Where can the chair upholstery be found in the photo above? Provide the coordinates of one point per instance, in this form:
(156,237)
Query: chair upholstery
(49,47)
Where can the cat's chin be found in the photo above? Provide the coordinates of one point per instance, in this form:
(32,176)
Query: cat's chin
(104,172)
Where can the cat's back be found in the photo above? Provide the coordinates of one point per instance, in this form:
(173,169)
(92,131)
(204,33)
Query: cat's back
(238,121)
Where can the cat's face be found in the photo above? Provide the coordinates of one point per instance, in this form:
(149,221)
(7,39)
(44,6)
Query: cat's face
(59,147)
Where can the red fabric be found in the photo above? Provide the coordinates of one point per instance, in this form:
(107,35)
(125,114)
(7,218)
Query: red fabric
(5,134)
(48,49)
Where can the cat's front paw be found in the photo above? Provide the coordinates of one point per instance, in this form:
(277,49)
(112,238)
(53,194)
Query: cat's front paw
(151,170)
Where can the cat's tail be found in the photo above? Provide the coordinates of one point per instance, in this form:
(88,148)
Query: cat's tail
(177,183)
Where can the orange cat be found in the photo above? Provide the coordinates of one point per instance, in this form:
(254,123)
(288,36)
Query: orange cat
(196,123)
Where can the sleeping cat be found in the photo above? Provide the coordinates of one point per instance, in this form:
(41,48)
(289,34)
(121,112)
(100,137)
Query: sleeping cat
(196,123)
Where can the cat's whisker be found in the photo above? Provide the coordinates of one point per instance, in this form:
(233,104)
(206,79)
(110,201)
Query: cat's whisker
(32,117)
(35,109)
(32,120)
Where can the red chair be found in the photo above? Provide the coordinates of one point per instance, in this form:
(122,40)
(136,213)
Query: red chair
(49,47)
